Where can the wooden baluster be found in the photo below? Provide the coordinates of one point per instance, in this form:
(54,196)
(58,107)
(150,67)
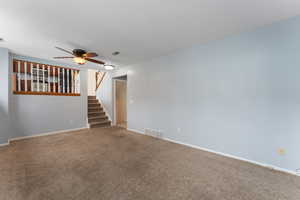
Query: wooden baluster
(25,77)
(43,71)
(58,72)
(38,77)
(78,82)
(32,76)
(72,82)
(54,78)
(63,80)
(68,83)
(19,76)
(49,88)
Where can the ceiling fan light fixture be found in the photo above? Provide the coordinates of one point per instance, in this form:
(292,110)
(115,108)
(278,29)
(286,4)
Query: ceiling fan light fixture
(80,56)
(109,67)
(79,60)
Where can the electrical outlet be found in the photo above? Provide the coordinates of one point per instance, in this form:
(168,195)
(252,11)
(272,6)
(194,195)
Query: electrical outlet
(178,130)
(159,133)
(281,151)
(147,131)
(131,101)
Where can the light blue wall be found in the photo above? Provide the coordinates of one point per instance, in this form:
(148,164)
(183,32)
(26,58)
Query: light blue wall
(239,95)
(4,96)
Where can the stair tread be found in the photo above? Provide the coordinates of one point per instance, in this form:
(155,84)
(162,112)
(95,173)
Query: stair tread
(95,110)
(98,117)
(101,122)
(101,112)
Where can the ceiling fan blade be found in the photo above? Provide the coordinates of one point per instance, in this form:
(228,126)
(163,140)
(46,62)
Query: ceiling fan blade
(69,52)
(90,54)
(62,57)
(95,61)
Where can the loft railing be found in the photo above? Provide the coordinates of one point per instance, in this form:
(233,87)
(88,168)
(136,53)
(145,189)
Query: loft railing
(30,78)
(99,78)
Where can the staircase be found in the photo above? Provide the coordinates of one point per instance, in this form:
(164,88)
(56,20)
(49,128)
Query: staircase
(96,114)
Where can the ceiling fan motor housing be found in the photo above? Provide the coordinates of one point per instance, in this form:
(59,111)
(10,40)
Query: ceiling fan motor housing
(79,52)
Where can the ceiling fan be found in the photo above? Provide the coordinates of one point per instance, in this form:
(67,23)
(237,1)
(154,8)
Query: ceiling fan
(80,56)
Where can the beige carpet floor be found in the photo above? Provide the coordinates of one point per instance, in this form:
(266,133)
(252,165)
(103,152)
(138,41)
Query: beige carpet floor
(112,163)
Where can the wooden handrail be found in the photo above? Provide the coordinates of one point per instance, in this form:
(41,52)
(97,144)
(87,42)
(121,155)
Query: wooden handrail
(99,79)
(46,93)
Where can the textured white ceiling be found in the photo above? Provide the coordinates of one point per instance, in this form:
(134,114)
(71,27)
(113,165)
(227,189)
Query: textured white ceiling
(139,29)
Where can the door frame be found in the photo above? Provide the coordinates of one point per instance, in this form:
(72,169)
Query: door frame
(114,80)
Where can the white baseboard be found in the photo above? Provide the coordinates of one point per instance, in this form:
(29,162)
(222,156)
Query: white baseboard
(4,144)
(136,131)
(45,134)
(225,154)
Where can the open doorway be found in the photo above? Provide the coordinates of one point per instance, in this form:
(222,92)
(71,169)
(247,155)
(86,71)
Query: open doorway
(121,101)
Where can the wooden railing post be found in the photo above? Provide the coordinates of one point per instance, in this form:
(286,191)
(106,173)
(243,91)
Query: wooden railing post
(99,78)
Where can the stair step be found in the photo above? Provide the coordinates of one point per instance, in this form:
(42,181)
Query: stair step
(93,101)
(96,114)
(94,104)
(97,119)
(103,123)
(91,97)
(96,109)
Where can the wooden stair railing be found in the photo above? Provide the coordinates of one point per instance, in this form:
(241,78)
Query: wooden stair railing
(99,78)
